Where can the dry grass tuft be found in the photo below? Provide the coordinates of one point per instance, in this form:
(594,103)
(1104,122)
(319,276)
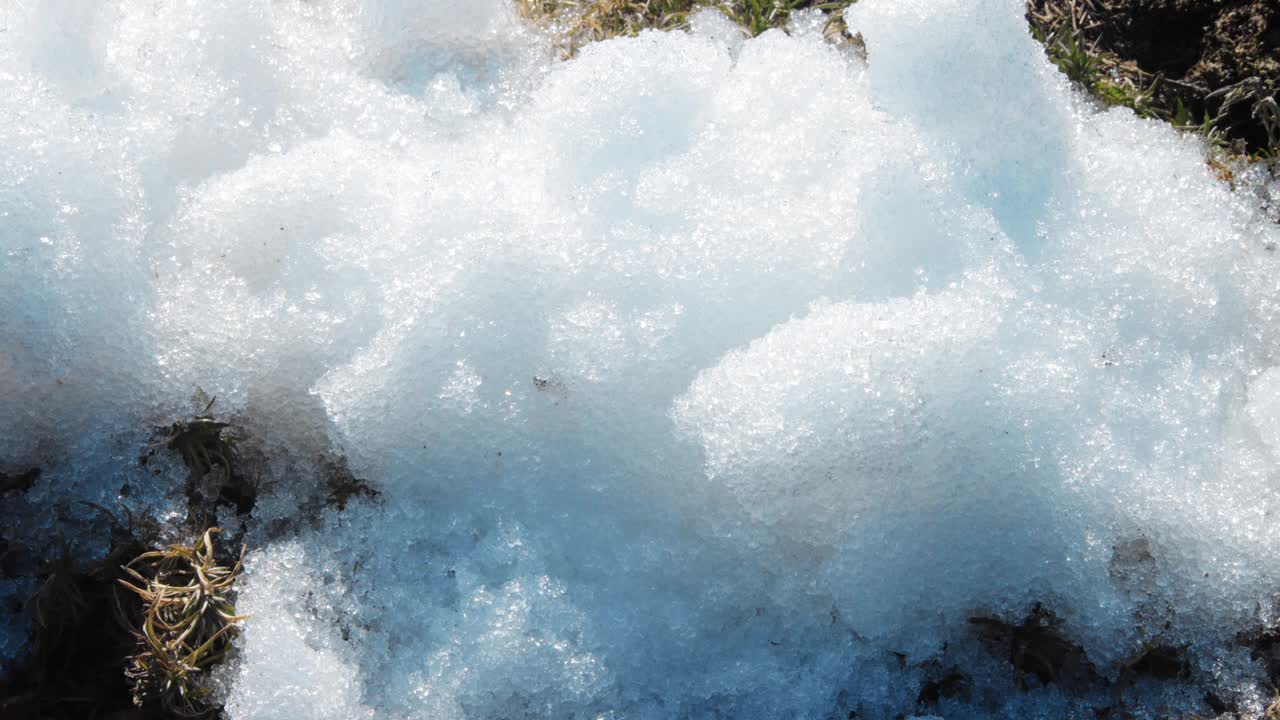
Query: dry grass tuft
(1272,711)
(187,622)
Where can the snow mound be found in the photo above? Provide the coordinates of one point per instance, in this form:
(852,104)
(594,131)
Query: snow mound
(699,377)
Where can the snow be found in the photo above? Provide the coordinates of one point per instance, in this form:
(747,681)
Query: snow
(700,377)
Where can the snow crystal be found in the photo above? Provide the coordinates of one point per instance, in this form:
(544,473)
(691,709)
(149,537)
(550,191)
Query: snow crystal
(699,376)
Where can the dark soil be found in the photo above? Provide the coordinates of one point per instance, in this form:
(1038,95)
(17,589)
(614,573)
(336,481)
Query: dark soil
(1038,651)
(19,481)
(77,648)
(1216,56)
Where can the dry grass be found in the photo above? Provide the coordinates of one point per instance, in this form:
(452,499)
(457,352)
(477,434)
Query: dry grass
(1272,711)
(1068,32)
(187,622)
(1071,31)
(578,22)
(210,452)
(201,443)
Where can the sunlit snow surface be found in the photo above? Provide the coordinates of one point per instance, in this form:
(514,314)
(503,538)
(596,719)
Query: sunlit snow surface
(700,377)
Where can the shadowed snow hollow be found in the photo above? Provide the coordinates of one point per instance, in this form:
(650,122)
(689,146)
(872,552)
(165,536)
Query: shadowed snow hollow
(700,377)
